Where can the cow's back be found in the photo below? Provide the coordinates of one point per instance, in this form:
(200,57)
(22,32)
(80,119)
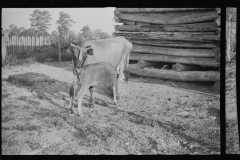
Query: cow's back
(111,50)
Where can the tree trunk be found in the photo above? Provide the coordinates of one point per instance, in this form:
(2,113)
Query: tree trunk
(175,59)
(142,64)
(185,67)
(162,9)
(162,19)
(180,36)
(174,51)
(59,51)
(199,27)
(176,76)
(175,44)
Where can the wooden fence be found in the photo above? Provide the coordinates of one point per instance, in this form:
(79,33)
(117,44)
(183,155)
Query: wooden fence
(19,45)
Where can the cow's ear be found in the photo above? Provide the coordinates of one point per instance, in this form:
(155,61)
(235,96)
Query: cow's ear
(90,51)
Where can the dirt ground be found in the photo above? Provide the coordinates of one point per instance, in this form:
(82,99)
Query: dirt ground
(232,140)
(149,118)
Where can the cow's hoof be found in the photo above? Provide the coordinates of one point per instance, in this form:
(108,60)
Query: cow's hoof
(118,97)
(79,115)
(90,105)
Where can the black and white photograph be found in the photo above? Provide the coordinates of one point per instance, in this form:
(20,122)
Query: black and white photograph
(117,81)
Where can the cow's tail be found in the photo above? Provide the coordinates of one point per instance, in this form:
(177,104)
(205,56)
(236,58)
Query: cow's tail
(127,64)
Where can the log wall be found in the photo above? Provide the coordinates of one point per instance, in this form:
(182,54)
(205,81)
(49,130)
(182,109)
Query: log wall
(185,38)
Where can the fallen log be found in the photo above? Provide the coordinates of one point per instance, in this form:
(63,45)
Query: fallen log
(186,67)
(142,64)
(175,59)
(174,51)
(162,19)
(162,9)
(176,76)
(180,36)
(199,27)
(175,44)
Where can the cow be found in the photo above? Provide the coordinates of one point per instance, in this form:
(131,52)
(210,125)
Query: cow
(101,75)
(115,51)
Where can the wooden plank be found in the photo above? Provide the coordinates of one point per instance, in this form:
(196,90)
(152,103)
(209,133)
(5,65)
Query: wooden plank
(175,59)
(175,44)
(162,9)
(199,27)
(181,36)
(174,51)
(208,16)
(176,76)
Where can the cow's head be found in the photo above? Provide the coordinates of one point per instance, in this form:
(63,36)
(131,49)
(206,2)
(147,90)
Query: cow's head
(79,53)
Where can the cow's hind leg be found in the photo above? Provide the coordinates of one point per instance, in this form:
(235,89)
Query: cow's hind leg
(71,94)
(114,95)
(91,102)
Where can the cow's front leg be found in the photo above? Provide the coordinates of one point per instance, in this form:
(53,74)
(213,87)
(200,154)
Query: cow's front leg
(91,102)
(80,98)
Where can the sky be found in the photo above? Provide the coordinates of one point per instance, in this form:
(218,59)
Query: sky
(95,18)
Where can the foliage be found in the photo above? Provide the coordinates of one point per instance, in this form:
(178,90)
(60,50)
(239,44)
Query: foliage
(12,60)
(64,22)
(40,21)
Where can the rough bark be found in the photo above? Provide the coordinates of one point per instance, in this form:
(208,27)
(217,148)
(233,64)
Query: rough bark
(161,9)
(176,76)
(174,51)
(142,64)
(186,67)
(180,36)
(175,44)
(175,59)
(200,27)
(162,19)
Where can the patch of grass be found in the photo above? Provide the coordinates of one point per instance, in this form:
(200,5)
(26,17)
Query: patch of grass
(50,52)
(26,128)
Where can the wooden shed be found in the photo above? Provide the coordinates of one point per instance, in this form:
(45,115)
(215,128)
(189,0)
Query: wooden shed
(180,44)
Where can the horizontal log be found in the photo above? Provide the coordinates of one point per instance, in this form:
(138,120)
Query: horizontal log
(162,9)
(143,64)
(176,76)
(174,51)
(175,59)
(186,67)
(162,19)
(181,44)
(200,27)
(181,36)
